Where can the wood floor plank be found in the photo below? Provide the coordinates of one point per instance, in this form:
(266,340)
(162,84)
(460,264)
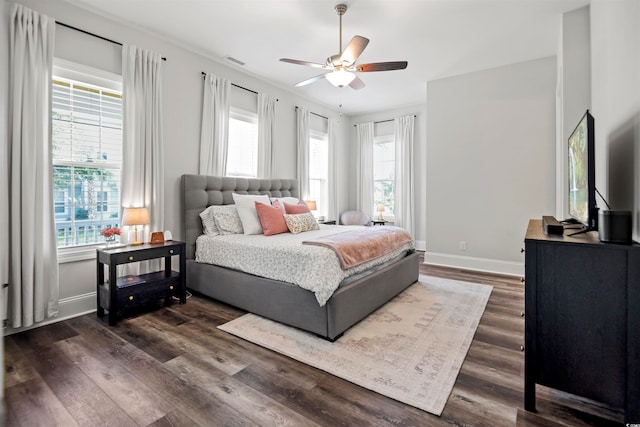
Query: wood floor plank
(33,403)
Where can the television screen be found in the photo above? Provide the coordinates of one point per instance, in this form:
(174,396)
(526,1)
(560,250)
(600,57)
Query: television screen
(582,173)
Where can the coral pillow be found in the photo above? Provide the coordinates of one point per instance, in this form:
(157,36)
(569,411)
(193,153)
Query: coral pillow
(299,208)
(271,218)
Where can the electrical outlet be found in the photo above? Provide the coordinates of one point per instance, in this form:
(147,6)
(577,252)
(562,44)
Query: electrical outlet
(462,245)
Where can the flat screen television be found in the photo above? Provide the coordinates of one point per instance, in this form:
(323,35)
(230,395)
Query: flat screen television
(582,174)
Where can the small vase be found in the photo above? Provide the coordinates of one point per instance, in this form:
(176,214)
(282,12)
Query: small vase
(111,240)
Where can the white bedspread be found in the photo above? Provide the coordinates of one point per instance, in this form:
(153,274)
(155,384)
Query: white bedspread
(283,257)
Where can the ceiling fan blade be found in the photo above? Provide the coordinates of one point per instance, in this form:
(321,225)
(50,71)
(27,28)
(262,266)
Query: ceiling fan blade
(311,80)
(356,84)
(306,63)
(353,50)
(382,66)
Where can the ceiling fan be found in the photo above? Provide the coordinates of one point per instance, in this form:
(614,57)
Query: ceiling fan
(341,68)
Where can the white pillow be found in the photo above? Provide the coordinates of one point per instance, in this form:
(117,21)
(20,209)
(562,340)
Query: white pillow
(208,223)
(290,200)
(247,211)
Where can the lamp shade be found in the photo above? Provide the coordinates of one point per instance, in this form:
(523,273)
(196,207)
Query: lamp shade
(380,208)
(340,77)
(135,216)
(311,204)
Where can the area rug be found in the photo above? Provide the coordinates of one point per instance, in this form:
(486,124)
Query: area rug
(411,349)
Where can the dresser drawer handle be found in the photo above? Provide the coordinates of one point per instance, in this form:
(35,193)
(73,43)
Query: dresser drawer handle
(131,258)
(171,287)
(170,251)
(130,297)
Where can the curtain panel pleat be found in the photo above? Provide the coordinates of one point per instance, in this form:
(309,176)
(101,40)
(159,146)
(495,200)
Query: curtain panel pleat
(332,210)
(364,134)
(143,156)
(266,125)
(31,258)
(214,130)
(303,134)
(404,181)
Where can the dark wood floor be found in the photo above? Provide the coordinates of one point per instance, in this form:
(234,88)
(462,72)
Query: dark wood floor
(173,367)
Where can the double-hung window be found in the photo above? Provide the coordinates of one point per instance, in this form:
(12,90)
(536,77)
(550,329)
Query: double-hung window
(319,171)
(86,128)
(384,161)
(242,148)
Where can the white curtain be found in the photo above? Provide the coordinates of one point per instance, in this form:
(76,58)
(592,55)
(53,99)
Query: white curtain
(332,210)
(302,128)
(364,182)
(214,131)
(31,258)
(143,159)
(403,200)
(266,124)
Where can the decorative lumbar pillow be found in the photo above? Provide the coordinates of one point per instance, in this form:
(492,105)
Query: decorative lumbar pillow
(297,223)
(208,223)
(298,208)
(271,218)
(247,211)
(227,219)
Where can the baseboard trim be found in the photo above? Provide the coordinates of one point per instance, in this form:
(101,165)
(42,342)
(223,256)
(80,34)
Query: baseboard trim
(67,308)
(477,264)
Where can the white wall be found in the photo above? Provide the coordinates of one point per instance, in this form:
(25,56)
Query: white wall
(615,86)
(490,163)
(182,95)
(420,141)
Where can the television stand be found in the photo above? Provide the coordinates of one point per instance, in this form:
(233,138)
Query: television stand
(582,323)
(581,231)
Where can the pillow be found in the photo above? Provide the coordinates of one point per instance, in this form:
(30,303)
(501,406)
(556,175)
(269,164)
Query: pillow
(245,204)
(227,219)
(290,200)
(297,223)
(208,223)
(299,208)
(271,218)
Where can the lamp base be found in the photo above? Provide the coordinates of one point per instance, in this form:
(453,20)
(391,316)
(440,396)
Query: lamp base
(380,217)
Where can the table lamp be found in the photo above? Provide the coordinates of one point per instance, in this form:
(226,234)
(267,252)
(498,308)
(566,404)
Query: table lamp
(381,210)
(135,217)
(311,204)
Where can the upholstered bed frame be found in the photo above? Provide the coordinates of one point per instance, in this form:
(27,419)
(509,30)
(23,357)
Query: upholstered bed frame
(284,302)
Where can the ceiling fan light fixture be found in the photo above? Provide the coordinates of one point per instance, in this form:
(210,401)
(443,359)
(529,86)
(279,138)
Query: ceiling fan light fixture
(340,77)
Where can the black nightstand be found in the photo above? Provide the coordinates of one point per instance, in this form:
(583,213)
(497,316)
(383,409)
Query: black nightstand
(378,222)
(328,222)
(125,292)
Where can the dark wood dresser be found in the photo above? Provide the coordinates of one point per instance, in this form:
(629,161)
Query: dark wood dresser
(582,318)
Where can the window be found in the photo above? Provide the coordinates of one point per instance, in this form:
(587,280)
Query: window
(319,171)
(86,127)
(242,150)
(384,164)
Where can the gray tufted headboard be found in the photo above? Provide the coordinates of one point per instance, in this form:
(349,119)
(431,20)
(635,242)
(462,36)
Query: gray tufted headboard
(200,191)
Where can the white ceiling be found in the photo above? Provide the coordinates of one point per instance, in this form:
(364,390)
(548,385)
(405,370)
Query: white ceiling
(438,38)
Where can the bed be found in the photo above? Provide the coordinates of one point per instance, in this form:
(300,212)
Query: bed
(355,297)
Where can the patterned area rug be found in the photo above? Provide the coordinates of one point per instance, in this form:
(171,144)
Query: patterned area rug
(411,349)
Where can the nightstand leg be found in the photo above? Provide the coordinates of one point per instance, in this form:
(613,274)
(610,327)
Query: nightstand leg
(113,296)
(99,282)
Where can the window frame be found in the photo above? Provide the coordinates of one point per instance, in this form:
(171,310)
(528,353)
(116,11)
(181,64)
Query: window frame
(380,140)
(249,117)
(85,76)
(323,201)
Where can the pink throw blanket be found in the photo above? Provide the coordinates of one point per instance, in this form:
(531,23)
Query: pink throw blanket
(359,246)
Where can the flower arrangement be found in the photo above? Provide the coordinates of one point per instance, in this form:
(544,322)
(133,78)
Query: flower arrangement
(110,232)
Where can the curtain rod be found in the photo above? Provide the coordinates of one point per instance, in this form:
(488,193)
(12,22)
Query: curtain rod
(93,34)
(384,121)
(316,114)
(238,86)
